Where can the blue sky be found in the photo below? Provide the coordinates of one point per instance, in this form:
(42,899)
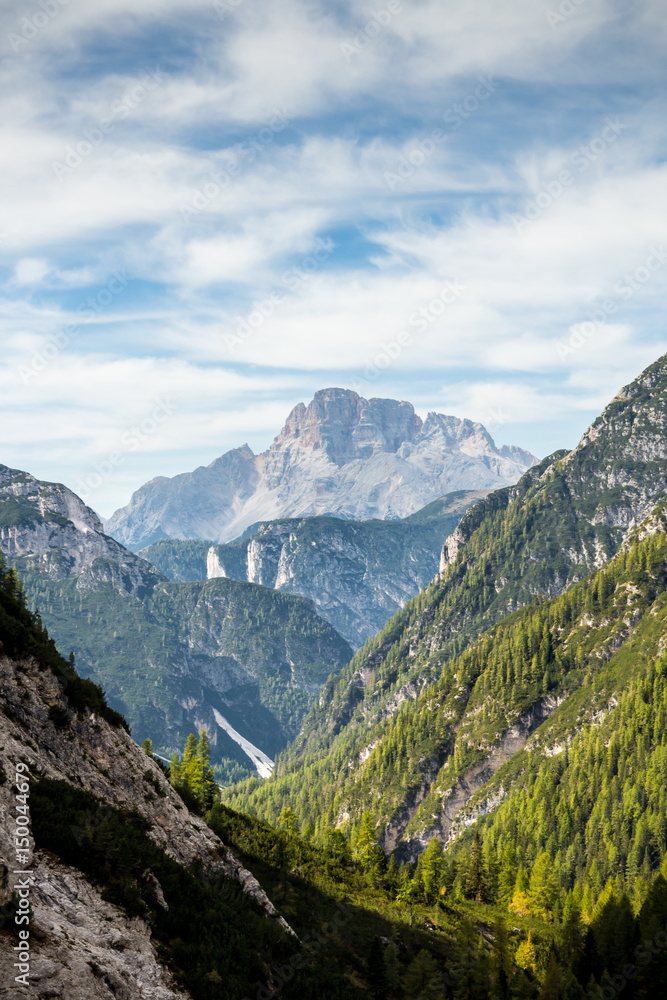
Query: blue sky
(212,209)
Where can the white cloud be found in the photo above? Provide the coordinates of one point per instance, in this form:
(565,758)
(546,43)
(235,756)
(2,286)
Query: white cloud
(455,217)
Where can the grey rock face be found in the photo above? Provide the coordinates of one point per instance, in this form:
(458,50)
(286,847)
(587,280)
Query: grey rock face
(83,932)
(342,455)
(596,494)
(59,534)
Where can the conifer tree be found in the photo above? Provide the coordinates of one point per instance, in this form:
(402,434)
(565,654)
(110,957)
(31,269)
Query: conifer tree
(543,891)
(476,875)
(203,782)
(376,970)
(507,876)
(422,978)
(431,870)
(188,762)
(288,821)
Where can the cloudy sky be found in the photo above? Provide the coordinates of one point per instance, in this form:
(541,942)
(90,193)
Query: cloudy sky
(212,209)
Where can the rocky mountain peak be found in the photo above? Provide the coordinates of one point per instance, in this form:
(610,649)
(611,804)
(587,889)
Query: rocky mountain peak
(36,500)
(54,528)
(340,454)
(348,427)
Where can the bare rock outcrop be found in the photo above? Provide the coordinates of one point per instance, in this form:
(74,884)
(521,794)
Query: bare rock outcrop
(87,948)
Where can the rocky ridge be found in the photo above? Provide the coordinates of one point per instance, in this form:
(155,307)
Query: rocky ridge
(51,527)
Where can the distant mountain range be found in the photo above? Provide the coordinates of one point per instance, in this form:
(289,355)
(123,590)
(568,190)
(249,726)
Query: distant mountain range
(341,455)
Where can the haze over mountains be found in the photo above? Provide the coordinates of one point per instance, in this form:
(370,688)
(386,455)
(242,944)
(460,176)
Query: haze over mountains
(342,455)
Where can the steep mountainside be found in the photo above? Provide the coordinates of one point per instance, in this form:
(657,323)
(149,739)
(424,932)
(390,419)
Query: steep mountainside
(358,573)
(341,455)
(237,657)
(553,678)
(104,924)
(537,538)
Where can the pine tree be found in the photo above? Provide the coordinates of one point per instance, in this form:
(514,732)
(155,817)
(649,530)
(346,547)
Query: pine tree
(476,875)
(175,769)
(502,962)
(526,955)
(202,781)
(288,821)
(409,889)
(422,978)
(147,747)
(507,876)
(188,763)
(652,921)
(543,892)
(552,981)
(431,870)
(368,851)
(572,930)
(376,970)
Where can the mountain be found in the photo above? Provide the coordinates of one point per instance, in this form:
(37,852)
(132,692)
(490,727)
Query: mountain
(341,455)
(358,573)
(242,659)
(428,711)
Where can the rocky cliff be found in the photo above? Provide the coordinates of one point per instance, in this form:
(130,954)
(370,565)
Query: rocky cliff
(342,455)
(58,535)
